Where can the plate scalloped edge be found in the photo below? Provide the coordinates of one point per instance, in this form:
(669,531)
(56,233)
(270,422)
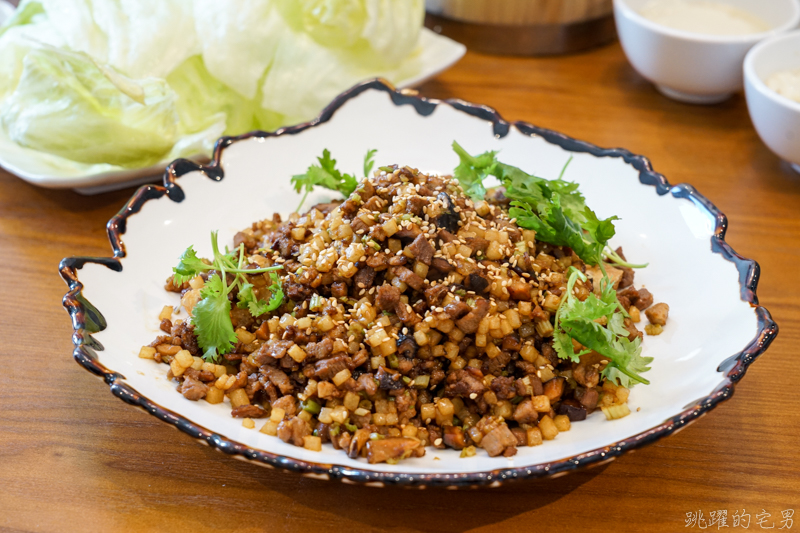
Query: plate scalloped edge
(86,319)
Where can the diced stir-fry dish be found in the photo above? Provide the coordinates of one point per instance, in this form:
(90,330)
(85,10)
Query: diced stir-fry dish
(422,310)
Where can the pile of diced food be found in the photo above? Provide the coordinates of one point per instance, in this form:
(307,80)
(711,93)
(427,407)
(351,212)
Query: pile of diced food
(408,315)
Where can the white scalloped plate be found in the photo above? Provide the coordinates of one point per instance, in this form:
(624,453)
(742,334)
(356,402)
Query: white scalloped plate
(715,329)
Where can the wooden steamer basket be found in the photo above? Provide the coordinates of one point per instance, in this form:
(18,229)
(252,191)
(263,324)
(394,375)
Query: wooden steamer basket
(523,27)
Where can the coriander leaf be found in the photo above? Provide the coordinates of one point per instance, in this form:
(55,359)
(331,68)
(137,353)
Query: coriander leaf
(276,289)
(616,324)
(563,346)
(631,362)
(555,209)
(247,298)
(325,175)
(369,161)
(576,320)
(188,267)
(472,170)
(212,317)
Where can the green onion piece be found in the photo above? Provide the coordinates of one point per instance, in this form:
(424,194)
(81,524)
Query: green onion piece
(335,429)
(316,302)
(516,399)
(406,380)
(311,406)
(422,382)
(351,427)
(393,362)
(386,169)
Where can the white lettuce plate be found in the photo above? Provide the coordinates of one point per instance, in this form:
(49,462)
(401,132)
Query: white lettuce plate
(715,331)
(436,54)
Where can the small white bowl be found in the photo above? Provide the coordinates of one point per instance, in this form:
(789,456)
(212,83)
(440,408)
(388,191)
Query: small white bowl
(776,118)
(692,67)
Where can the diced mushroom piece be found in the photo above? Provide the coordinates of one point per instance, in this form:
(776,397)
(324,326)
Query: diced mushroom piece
(476,283)
(658,314)
(407,346)
(391,449)
(454,437)
(388,379)
(447,219)
(360,438)
(248,411)
(573,409)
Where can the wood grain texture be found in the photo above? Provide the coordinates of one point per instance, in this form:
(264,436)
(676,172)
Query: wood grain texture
(74,458)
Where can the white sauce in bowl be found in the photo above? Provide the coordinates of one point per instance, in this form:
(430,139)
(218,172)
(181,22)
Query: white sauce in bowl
(701,16)
(786,83)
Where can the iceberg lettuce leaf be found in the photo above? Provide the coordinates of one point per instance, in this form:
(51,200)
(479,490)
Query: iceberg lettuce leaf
(66,105)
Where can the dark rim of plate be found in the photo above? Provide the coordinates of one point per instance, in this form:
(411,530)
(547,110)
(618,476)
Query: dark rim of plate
(86,319)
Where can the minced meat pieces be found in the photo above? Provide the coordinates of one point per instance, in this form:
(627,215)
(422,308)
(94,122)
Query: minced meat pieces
(319,350)
(192,389)
(421,249)
(378,262)
(469,322)
(658,314)
(504,387)
(387,297)
(278,377)
(327,368)
(465,383)
(293,430)
(442,265)
(409,278)
(364,277)
(498,440)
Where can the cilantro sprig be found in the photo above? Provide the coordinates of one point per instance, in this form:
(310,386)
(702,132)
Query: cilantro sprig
(327,175)
(575,319)
(555,209)
(211,316)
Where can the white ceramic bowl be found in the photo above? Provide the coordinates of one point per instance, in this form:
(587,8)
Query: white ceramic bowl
(692,67)
(776,118)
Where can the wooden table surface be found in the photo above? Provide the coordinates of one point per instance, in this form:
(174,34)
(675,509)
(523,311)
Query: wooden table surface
(77,459)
